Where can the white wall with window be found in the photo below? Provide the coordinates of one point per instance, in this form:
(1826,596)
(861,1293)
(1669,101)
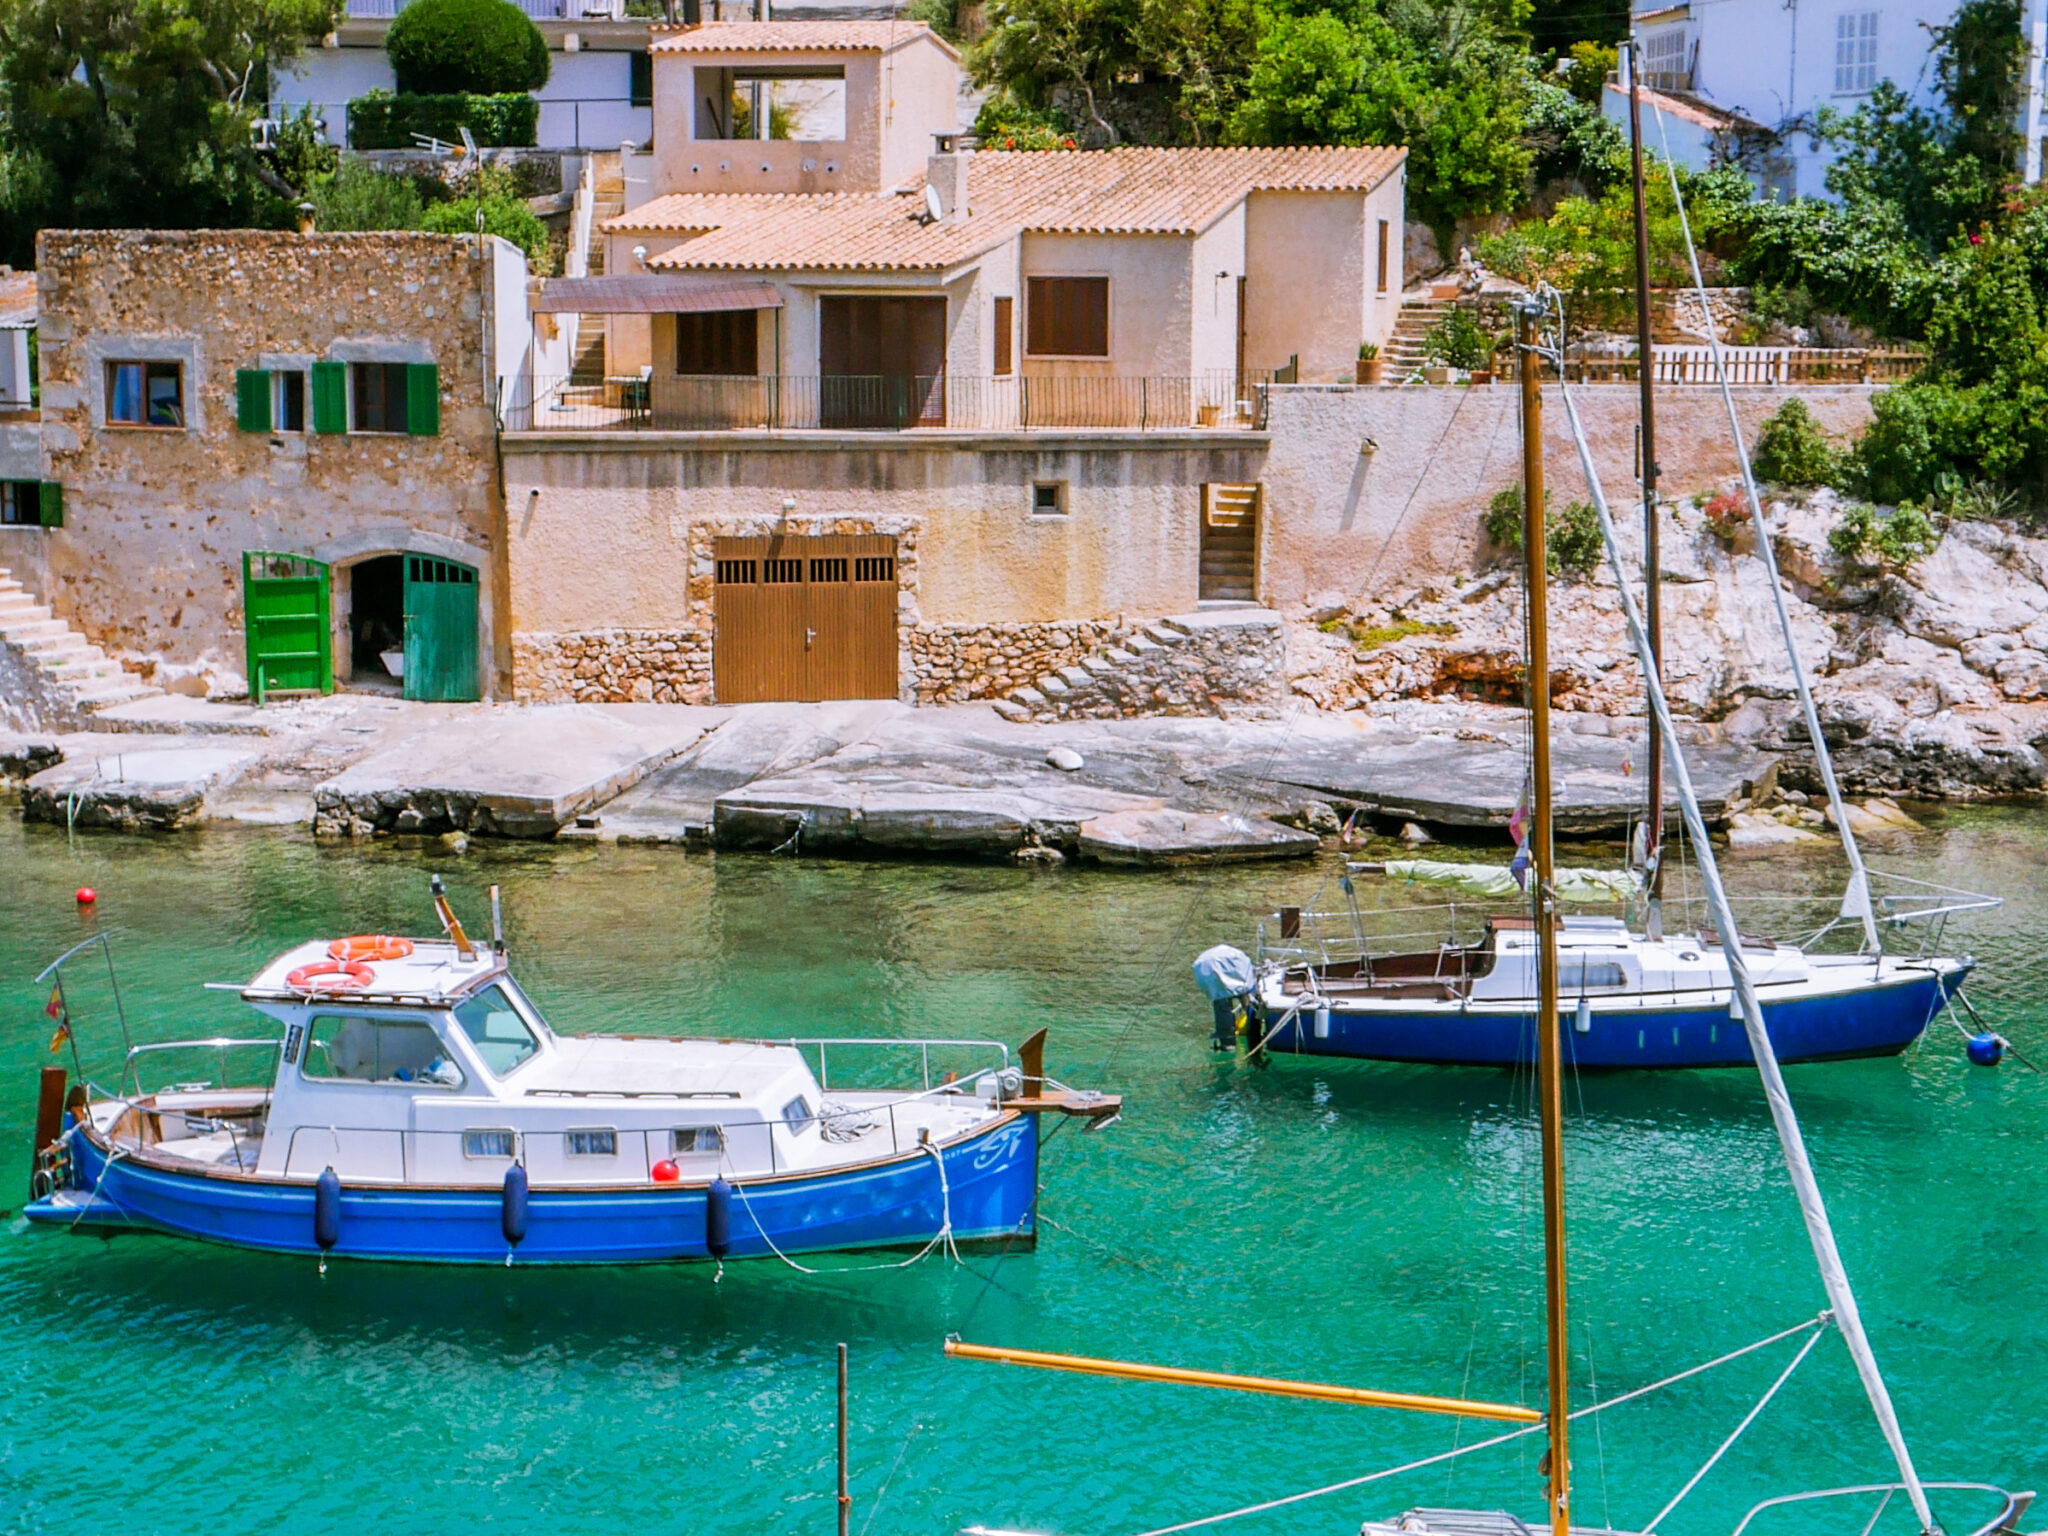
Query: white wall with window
(1780,64)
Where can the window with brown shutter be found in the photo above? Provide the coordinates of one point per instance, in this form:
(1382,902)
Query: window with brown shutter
(1066,316)
(1384,227)
(723,341)
(1006,324)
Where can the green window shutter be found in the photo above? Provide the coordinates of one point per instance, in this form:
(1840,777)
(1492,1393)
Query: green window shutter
(422,399)
(50,502)
(252,399)
(330,397)
(640,79)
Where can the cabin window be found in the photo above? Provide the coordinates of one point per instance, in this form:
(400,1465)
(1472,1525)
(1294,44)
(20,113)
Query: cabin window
(796,1114)
(599,1141)
(494,1027)
(487,1143)
(355,1048)
(688,1139)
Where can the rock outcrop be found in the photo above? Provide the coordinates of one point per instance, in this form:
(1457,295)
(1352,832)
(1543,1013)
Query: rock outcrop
(1931,681)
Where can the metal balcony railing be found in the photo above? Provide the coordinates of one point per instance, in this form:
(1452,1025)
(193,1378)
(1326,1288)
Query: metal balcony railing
(886,403)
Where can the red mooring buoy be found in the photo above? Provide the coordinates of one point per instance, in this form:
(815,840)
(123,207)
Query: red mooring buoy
(87,896)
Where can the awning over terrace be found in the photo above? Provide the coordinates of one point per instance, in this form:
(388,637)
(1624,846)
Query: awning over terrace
(666,294)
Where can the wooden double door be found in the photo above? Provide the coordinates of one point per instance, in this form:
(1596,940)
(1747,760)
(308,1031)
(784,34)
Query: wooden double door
(805,617)
(882,361)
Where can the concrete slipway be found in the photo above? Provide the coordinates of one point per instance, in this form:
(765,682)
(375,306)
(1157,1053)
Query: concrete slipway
(862,777)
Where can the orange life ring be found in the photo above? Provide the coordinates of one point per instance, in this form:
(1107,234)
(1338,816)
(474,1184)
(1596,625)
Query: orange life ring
(370,946)
(330,976)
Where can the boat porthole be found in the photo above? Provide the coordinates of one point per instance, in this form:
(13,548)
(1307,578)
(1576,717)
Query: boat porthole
(1713,1033)
(1674,1034)
(1639,1039)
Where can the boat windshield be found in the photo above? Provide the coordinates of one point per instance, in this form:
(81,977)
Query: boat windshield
(494,1027)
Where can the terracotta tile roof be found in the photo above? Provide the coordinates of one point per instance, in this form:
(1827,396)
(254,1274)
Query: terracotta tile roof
(794,37)
(17,298)
(1112,191)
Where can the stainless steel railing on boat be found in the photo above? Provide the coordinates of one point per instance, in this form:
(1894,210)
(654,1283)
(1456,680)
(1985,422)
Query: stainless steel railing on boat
(2014,1504)
(131,1072)
(922,1047)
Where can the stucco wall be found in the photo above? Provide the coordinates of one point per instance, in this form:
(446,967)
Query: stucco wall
(920,98)
(1376,492)
(1150,302)
(1215,263)
(148,563)
(1309,254)
(685,163)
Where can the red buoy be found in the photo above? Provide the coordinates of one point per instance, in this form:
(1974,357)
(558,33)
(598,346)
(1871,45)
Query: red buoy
(87,896)
(666,1172)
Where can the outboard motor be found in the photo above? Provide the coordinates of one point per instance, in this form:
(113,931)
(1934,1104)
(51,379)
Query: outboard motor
(1226,978)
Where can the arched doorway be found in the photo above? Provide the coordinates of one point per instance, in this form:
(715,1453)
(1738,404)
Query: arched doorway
(413,626)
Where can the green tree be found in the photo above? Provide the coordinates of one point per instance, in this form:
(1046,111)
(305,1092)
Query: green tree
(356,197)
(139,114)
(466,47)
(1792,450)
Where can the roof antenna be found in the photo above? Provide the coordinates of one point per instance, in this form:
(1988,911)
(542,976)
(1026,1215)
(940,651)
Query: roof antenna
(450,924)
(497,924)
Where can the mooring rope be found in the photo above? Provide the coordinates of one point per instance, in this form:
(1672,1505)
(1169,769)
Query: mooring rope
(943,1235)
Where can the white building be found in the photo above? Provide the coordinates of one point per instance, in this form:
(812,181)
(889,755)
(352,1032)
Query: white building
(600,90)
(1720,70)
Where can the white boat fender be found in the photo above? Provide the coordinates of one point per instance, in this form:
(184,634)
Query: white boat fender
(1322,1018)
(512,1209)
(326,1212)
(718,1220)
(1225,976)
(1582,1020)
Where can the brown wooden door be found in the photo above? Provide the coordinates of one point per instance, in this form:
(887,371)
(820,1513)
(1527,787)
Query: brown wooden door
(883,361)
(805,618)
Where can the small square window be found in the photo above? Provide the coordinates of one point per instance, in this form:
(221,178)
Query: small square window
(1049,498)
(695,1139)
(288,404)
(487,1143)
(598,1142)
(146,394)
(796,1114)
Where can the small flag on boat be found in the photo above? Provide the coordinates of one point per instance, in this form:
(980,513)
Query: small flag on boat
(1519,866)
(1627,768)
(55,1008)
(1518,823)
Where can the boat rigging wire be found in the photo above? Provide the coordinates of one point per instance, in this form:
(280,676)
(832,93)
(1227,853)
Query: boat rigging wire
(1815,1324)
(1820,1233)
(1856,899)
(1735,1434)
(943,1235)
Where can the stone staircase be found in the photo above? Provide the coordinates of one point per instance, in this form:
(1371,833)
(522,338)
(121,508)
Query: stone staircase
(1192,664)
(52,677)
(1407,349)
(608,201)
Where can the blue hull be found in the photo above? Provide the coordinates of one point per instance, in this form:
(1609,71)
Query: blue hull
(991,1180)
(1875,1021)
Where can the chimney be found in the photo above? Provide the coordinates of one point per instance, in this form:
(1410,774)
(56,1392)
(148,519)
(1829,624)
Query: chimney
(946,174)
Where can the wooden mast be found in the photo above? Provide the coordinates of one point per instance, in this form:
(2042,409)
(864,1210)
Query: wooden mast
(1653,576)
(1550,1077)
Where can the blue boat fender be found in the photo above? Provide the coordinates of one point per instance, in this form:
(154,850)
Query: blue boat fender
(512,1210)
(1986,1050)
(326,1212)
(718,1219)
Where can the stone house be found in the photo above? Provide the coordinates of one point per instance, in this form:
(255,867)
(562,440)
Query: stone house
(277,455)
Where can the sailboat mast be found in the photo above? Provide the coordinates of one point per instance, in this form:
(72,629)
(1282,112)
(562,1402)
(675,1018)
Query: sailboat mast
(1550,1089)
(1653,816)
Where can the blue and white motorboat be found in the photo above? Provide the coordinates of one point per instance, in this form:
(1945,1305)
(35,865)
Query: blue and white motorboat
(1629,1001)
(419,1107)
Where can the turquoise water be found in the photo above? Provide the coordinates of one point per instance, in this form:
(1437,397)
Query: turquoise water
(1343,1222)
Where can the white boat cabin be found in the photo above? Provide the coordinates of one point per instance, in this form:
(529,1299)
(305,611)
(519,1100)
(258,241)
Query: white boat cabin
(439,1070)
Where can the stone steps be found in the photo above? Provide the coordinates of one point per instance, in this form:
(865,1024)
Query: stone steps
(51,676)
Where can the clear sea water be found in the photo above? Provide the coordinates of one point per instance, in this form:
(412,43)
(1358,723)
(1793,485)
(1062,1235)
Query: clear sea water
(1342,1222)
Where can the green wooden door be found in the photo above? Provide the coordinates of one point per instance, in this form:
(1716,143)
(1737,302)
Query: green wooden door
(440,630)
(285,612)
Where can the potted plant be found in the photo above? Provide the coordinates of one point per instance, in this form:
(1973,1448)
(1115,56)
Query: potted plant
(1370,364)
(1457,344)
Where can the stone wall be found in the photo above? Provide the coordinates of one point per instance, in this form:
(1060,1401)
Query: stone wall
(954,663)
(149,562)
(642,666)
